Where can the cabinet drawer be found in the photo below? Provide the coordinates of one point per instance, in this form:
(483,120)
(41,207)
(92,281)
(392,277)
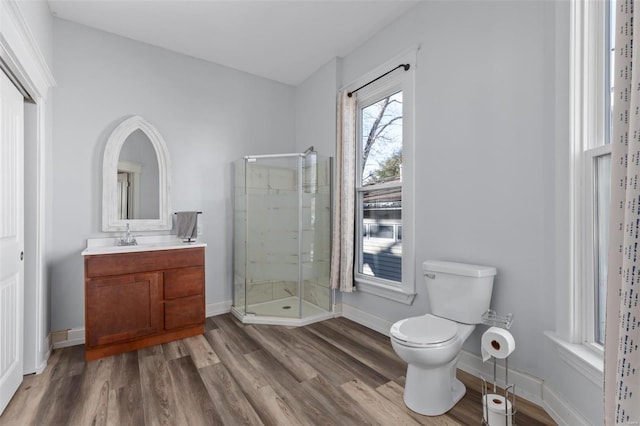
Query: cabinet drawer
(130,263)
(184,282)
(183,312)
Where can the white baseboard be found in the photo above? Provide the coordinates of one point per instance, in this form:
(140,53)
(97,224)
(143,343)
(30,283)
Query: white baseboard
(560,411)
(43,357)
(43,365)
(66,338)
(370,321)
(46,355)
(49,346)
(219,308)
(526,386)
(75,336)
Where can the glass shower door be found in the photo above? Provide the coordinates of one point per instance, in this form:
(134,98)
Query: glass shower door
(273,200)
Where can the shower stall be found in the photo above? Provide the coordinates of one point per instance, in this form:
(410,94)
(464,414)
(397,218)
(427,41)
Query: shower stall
(282,239)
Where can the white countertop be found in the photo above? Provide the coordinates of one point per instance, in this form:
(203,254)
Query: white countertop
(97,246)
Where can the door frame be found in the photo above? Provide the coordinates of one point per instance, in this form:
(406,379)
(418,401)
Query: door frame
(23,60)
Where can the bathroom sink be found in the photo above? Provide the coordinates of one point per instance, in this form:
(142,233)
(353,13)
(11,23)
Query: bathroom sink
(97,246)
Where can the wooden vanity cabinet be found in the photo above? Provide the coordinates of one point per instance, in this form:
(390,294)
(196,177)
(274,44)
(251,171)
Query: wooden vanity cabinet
(139,299)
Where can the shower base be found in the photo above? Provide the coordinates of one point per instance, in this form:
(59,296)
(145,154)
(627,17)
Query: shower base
(282,312)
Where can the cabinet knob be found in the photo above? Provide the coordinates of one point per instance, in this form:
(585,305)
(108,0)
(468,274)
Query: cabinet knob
(21,255)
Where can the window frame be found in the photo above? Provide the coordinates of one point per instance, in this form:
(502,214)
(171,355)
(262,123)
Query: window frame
(590,133)
(590,247)
(400,80)
(578,80)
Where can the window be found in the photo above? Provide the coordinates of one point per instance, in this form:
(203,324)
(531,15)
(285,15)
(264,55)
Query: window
(384,187)
(592,130)
(601,198)
(379,188)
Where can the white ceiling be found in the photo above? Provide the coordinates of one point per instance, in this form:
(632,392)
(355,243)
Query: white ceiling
(284,41)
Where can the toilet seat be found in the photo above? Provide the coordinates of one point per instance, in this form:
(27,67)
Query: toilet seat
(424,331)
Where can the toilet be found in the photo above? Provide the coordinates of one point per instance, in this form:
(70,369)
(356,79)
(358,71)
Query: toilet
(458,295)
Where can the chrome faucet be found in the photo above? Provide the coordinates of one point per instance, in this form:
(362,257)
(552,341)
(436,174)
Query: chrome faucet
(129,239)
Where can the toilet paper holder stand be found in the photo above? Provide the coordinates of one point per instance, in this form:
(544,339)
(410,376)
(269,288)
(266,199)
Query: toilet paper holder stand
(491,318)
(509,397)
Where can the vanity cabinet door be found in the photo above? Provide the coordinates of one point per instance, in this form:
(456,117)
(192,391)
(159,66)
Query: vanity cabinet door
(123,308)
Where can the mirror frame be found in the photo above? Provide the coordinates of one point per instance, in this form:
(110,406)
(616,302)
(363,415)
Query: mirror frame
(110,221)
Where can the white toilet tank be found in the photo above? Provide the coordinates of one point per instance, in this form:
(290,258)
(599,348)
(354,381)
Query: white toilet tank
(458,291)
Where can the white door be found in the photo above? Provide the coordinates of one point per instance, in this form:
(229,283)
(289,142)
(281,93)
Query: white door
(11,238)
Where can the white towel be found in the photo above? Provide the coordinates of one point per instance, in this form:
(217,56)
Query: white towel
(187,224)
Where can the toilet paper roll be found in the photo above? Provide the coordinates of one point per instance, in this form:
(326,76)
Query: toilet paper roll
(496,415)
(497,342)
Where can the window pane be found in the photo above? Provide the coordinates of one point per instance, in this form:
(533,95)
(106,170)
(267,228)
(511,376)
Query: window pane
(603,190)
(382,231)
(610,71)
(382,141)
(381,255)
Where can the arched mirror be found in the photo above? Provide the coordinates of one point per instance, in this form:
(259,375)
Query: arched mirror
(136,172)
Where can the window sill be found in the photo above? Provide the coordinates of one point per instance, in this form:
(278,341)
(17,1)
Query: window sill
(580,357)
(396,294)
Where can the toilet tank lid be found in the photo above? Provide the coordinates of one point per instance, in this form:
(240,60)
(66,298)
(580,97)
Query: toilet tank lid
(464,269)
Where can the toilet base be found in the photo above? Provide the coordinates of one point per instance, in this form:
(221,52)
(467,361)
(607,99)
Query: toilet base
(433,391)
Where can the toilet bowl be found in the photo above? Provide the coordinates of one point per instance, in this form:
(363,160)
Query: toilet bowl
(430,344)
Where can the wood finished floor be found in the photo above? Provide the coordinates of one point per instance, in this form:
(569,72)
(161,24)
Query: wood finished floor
(335,372)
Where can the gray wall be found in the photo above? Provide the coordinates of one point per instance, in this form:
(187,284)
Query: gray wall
(491,105)
(316,110)
(491,109)
(484,153)
(209,116)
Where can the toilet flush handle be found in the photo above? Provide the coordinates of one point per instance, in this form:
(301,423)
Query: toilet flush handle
(432,276)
